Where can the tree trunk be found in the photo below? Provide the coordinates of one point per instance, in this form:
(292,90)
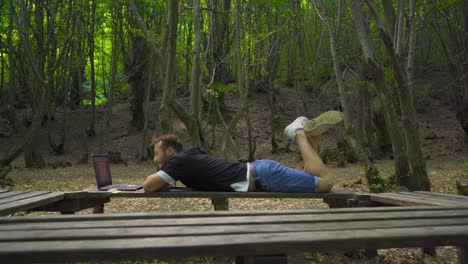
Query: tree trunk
(92,122)
(32,132)
(135,64)
(112,151)
(273,60)
(377,73)
(51,63)
(32,156)
(10,97)
(79,70)
(135,67)
(365,129)
(240,81)
(398,36)
(103,72)
(188,52)
(462,109)
(411,47)
(149,78)
(374,137)
(219,44)
(157,56)
(389,13)
(418,179)
(196,133)
(169,85)
(371,172)
(220,38)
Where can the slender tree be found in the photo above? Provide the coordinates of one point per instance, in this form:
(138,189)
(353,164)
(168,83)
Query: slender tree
(462,107)
(272,65)
(418,179)
(113,152)
(91,43)
(78,74)
(10,95)
(32,157)
(195,94)
(31,134)
(58,148)
(371,172)
(169,82)
(378,77)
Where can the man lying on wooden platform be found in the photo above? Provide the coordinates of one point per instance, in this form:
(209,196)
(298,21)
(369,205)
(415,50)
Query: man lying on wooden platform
(200,171)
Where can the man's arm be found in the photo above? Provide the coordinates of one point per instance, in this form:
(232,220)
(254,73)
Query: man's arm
(154,183)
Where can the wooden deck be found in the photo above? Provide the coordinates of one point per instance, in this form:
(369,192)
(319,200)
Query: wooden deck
(335,198)
(415,198)
(248,233)
(11,202)
(71,202)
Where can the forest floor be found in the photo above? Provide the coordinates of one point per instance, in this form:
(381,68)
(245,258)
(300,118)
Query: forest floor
(441,135)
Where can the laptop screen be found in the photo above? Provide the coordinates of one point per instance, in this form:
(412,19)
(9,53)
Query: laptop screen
(102,170)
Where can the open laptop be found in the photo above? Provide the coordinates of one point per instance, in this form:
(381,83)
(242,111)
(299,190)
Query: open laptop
(104,177)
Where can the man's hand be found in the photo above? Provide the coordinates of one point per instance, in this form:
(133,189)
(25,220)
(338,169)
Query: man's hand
(154,183)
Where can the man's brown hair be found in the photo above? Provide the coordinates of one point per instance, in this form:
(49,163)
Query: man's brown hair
(168,140)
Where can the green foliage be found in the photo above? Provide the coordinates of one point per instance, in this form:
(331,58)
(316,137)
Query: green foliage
(100,100)
(384,184)
(331,154)
(439,23)
(220,88)
(389,74)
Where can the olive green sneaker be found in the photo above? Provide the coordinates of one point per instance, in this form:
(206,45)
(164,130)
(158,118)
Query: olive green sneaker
(322,123)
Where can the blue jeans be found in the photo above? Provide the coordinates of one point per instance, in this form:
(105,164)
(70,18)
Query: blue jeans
(272,176)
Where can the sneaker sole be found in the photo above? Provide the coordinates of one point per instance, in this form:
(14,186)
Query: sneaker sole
(322,123)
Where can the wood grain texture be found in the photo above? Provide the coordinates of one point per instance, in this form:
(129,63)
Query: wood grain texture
(114,237)
(335,193)
(408,200)
(164,215)
(30,203)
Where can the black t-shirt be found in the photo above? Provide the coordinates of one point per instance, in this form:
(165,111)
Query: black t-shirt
(198,170)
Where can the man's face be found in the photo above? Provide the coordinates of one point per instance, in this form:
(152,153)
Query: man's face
(161,155)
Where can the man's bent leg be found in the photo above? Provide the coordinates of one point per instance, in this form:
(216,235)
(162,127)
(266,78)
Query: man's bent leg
(313,164)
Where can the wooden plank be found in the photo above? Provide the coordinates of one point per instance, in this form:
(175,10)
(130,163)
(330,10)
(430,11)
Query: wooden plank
(30,203)
(446,195)
(238,220)
(395,199)
(452,202)
(8,194)
(231,245)
(211,214)
(75,195)
(19,197)
(429,197)
(71,206)
(334,194)
(225,228)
